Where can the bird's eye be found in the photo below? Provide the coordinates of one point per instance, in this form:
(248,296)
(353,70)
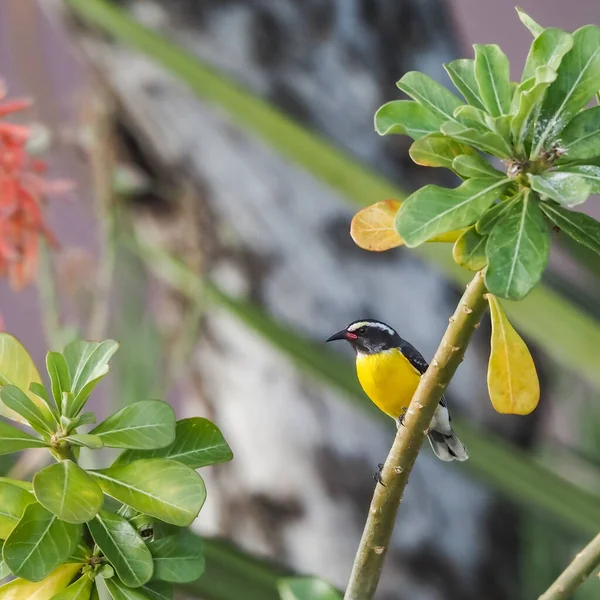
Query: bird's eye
(362,331)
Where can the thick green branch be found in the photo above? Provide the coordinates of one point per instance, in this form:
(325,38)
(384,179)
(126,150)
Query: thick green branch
(386,500)
(576,573)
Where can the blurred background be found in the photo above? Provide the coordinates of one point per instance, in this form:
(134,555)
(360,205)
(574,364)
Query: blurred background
(218,150)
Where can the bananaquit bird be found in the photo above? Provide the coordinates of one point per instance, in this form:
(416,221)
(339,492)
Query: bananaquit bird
(389,370)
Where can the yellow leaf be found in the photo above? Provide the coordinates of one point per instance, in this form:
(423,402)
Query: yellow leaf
(17,368)
(512,379)
(372,228)
(58,580)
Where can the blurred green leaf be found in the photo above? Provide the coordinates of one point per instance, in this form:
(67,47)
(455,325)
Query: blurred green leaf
(39,543)
(492,72)
(578,80)
(568,189)
(474,165)
(406,118)
(517,250)
(88,364)
(589,173)
(24,485)
(119,591)
(85,440)
(579,226)
(13,501)
(158,590)
(147,424)
(165,489)
(580,139)
(59,375)
(484,140)
(17,368)
(462,74)
(533,27)
(432,210)
(178,558)
(88,418)
(20,589)
(4,570)
(307,588)
(469,250)
(198,443)
(17,401)
(80,590)
(547,50)
(123,547)
(493,214)
(430,94)
(68,492)
(437,150)
(13,440)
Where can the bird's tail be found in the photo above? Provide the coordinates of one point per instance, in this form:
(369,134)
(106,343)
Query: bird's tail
(447,447)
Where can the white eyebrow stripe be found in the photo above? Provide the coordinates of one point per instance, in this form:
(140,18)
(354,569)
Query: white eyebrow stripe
(377,324)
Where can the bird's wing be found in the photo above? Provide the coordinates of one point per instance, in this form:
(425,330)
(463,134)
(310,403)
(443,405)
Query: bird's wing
(414,356)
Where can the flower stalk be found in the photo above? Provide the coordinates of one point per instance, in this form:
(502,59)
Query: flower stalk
(378,529)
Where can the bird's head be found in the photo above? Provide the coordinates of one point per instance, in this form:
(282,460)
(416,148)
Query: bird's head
(368,336)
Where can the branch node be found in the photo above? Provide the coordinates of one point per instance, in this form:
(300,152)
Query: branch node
(467,309)
(379,549)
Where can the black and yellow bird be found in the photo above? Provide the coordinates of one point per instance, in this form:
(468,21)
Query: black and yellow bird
(389,370)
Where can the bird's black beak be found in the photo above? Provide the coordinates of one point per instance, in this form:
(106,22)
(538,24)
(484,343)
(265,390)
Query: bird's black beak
(340,335)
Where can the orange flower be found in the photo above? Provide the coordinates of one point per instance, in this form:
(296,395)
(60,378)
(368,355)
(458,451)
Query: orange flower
(22,198)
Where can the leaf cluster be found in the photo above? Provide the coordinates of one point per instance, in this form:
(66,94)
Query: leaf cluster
(72,531)
(540,128)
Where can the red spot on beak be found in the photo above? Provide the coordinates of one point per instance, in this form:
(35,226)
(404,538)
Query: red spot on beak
(351,336)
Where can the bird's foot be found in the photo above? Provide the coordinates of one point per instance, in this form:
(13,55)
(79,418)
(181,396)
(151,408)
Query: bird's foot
(400,419)
(377,476)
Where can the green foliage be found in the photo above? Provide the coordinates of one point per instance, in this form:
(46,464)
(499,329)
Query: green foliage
(307,588)
(56,527)
(539,127)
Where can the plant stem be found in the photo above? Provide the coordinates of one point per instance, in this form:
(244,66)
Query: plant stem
(576,573)
(370,556)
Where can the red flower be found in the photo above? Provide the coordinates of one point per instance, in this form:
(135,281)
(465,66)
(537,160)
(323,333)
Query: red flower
(22,198)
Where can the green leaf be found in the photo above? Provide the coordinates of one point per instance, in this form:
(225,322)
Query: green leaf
(493,215)
(433,210)
(547,50)
(437,150)
(88,418)
(568,189)
(40,391)
(17,368)
(119,591)
(198,443)
(533,27)
(307,588)
(13,502)
(88,364)
(20,589)
(178,558)
(430,94)
(406,118)
(145,425)
(469,250)
(123,547)
(469,116)
(19,402)
(580,227)
(60,378)
(4,570)
(67,491)
(80,555)
(529,94)
(474,165)
(158,590)
(13,440)
(80,590)
(162,488)
(85,440)
(484,140)
(24,485)
(517,250)
(492,72)
(39,543)
(580,139)
(462,74)
(577,82)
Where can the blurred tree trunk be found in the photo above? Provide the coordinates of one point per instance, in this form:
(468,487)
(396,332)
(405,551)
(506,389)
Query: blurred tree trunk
(301,481)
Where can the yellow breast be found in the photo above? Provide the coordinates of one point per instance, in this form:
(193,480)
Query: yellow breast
(388,379)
